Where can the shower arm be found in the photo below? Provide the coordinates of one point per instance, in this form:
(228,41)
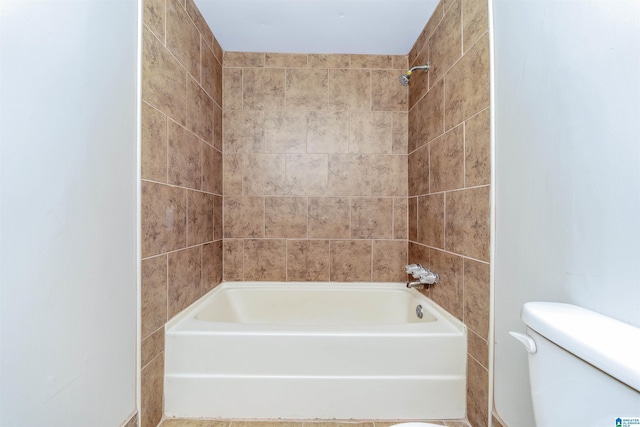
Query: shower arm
(420,67)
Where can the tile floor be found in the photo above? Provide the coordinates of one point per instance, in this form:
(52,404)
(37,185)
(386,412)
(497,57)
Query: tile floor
(183,422)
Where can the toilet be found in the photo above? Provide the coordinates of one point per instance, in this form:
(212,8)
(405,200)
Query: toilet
(584,367)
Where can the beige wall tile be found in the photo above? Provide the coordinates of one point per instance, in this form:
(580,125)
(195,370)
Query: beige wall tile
(426,118)
(478,349)
(232,173)
(153,15)
(152,390)
(476,297)
(349,175)
(467,84)
(164,84)
(477,145)
(327,132)
(199,111)
(265,260)
(412,225)
(199,218)
(329,218)
(400,138)
(286,217)
(132,422)
(217,127)
(211,169)
(217,50)
(306,174)
(419,81)
(477,394)
(418,171)
(233,258)
(199,21)
(183,279)
(243,59)
(389,259)
(351,260)
(400,218)
(217,217)
(263,174)
(263,88)
(350,90)
(154,144)
(371,218)
(211,266)
(308,260)
(184,157)
(431,220)
(446,154)
(371,61)
(307,89)
(418,254)
(445,45)
(449,290)
(370,132)
(400,62)
(243,131)
(243,217)
(285,131)
(286,60)
(232,89)
(153,294)
(467,222)
(423,38)
(183,38)
(329,60)
(211,74)
(152,345)
(164,216)
(388,175)
(387,93)
(476,20)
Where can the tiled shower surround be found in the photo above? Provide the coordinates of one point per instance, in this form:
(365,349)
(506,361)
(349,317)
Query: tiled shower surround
(181,177)
(315,167)
(449,176)
(330,170)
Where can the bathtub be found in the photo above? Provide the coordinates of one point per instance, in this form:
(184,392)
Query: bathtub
(263,350)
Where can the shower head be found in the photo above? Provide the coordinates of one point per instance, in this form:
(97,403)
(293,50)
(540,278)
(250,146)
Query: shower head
(404,79)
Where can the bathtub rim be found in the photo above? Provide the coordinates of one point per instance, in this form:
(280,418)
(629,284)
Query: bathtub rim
(185,322)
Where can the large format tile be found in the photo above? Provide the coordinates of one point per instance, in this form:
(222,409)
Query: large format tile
(307,89)
(183,38)
(265,259)
(154,294)
(308,260)
(183,279)
(163,217)
(468,222)
(446,155)
(351,260)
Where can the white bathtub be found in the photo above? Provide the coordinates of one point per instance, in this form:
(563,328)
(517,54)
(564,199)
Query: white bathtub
(263,350)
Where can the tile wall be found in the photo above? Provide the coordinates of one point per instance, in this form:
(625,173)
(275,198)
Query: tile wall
(449,175)
(181,205)
(315,167)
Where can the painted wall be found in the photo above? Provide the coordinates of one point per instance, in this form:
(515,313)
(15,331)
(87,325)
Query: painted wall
(68,209)
(449,176)
(567,170)
(181,207)
(315,167)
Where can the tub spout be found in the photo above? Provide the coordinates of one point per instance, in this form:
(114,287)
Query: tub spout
(428,278)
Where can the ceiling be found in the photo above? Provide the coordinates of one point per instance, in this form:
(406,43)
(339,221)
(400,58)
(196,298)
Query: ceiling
(382,27)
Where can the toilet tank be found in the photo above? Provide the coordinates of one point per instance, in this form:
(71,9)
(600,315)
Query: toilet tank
(585,368)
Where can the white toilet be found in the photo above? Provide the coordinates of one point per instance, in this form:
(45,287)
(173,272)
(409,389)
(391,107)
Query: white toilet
(584,367)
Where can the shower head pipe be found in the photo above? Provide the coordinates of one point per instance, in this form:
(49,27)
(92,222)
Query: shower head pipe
(404,79)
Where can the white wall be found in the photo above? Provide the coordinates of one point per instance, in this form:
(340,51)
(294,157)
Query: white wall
(68,212)
(567,146)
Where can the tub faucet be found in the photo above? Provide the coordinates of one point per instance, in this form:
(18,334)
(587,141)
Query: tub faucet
(424,276)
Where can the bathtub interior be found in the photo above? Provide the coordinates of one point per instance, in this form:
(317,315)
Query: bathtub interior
(312,304)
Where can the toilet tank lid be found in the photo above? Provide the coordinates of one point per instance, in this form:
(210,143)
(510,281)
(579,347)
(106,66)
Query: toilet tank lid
(608,344)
